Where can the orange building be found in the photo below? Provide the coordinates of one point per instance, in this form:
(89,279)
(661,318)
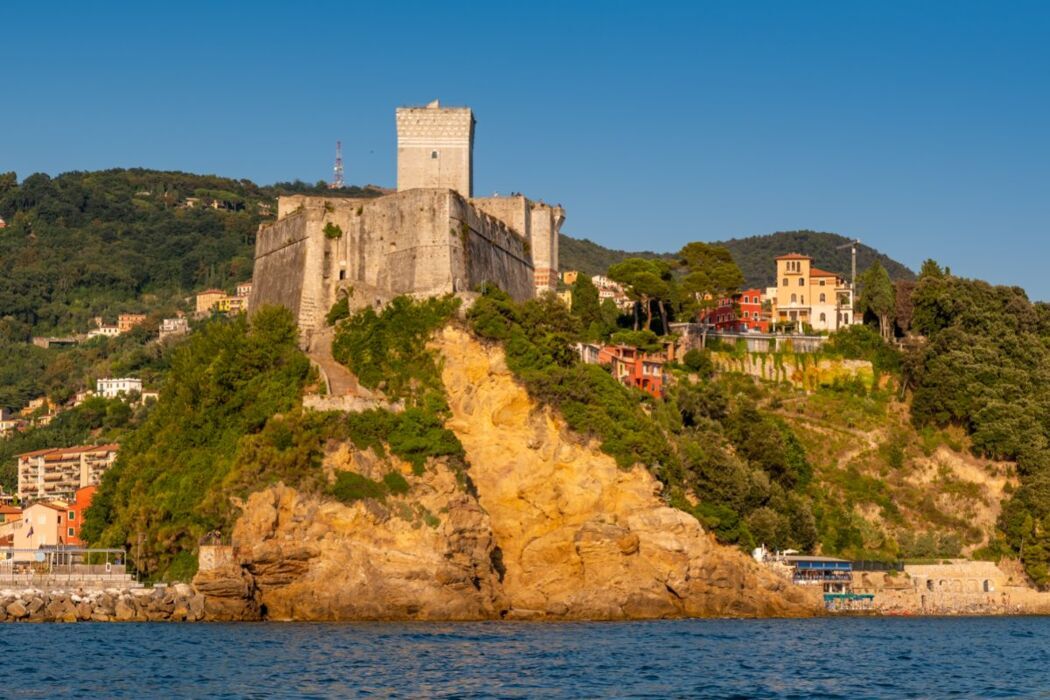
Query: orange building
(125,322)
(75,516)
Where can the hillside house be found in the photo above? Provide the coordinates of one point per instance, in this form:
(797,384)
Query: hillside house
(207,300)
(117,387)
(742,312)
(807,295)
(125,322)
(629,365)
(170,327)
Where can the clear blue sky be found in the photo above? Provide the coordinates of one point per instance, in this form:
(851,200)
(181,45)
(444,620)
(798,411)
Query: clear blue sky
(920,127)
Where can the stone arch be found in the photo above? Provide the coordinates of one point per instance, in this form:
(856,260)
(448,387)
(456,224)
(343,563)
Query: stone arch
(929,584)
(988,587)
(942,585)
(972,586)
(956,586)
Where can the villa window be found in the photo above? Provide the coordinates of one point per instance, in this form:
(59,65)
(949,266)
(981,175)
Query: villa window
(823,318)
(72,515)
(433,154)
(801,282)
(794,298)
(71,533)
(822,298)
(785,282)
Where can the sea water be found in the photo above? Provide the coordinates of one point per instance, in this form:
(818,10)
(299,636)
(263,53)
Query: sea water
(830,658)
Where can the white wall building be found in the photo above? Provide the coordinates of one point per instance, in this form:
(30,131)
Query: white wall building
(112,388)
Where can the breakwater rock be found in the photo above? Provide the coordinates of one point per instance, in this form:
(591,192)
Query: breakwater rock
(176,603)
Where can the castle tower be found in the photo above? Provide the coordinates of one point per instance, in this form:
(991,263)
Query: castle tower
(435,148)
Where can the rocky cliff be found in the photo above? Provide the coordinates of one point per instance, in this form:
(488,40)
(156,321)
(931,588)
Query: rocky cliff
(547,527)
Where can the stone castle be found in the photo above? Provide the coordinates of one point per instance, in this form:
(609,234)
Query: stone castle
(431,237)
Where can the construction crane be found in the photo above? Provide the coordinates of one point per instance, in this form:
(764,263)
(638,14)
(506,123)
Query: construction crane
(852,245)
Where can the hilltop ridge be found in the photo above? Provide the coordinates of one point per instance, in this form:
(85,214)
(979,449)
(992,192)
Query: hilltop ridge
(752,254)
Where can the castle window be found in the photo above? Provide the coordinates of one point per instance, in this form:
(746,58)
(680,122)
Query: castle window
(433,154)
(785,282)
(822,297)
(801,282)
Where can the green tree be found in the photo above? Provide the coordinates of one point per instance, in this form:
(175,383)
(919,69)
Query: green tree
(878,297)
(710,274)
(646,282)
(586,305)
(930,268)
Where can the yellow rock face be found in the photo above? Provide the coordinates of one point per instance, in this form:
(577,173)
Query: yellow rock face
(556,531)
(579,537)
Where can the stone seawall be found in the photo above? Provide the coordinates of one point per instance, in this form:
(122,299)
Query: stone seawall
(177,603)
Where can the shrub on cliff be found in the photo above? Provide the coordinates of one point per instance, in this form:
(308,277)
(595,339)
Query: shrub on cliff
(387,350)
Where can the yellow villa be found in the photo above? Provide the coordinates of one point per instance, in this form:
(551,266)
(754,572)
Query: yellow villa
(806,295)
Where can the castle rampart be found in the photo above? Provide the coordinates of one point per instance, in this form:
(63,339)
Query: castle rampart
(424,242)
(427,239)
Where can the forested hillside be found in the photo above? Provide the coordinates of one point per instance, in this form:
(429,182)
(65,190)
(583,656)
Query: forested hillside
(100,243)
(754,255)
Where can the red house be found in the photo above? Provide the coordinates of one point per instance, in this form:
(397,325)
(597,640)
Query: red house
(740,312)
(632,367)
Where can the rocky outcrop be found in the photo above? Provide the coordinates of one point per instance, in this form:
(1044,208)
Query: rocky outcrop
(548,527)
(580,537)
(427,555)
(176,603)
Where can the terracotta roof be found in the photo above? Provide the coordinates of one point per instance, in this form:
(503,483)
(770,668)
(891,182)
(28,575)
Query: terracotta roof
(53,506)
(58,453)
(211,291)
(37,453)
(815,272)
(793,256)
(10,510)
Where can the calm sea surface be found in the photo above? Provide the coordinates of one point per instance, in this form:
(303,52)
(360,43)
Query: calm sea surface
(840,658)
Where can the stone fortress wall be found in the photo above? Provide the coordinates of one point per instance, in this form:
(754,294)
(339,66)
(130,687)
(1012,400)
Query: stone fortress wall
(429,238)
